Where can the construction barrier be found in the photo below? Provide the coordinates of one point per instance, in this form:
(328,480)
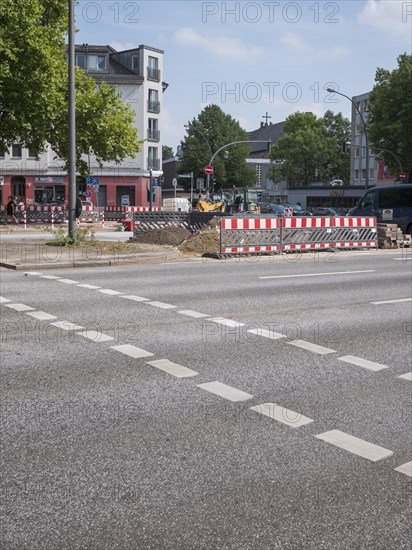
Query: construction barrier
(272,234)
(120,213)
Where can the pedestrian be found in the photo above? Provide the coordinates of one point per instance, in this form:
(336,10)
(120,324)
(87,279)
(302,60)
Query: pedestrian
(11,210)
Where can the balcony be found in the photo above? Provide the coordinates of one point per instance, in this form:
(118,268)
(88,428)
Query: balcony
(153,74)
(153,163)
(153,135)
(153,106)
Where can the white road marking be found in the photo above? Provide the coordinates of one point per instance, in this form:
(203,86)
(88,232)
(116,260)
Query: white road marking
(227,322)
(3,300)
(95,335)
(267,333)
(132,351)
(67,281)
(281,414)
(191,313)
(405,469)
(311,347)
(393,301)
(33,273)
(49,277)
(317,274)
(41,315)
(406,376)
(87,285)
(66,325)
(110,292)
(20,307)
(222,390)
(162,305)
(355,445)
(135,298)
(359,362)
(401,259)
(172,368)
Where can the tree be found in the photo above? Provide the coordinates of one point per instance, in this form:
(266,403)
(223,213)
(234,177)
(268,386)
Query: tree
(167,152)
(205,135)
(311,149)
(34,84)
(390,114)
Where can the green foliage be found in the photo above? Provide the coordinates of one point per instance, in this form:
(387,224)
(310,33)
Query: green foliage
(34,84)
(310,149)
(390,114)
(205,135)
(83,234)
(167,152)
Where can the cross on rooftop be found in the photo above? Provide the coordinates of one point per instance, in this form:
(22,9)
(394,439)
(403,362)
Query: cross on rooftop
(266,116)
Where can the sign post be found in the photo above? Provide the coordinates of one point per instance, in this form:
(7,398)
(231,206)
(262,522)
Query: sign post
(402,176)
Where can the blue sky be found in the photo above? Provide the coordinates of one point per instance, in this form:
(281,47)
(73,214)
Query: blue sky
(253,58)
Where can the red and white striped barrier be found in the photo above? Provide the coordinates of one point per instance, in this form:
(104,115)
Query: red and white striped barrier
(354,232)
(260,234)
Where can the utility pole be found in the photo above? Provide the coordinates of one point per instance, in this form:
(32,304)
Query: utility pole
(72,126)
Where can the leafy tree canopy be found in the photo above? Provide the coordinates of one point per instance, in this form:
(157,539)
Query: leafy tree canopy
(167,152)
(205,135)
(389,121)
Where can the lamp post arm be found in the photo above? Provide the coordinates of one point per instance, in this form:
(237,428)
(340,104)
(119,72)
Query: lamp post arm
(236,143)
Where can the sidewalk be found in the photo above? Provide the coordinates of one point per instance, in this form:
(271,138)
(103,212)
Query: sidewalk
(42,253)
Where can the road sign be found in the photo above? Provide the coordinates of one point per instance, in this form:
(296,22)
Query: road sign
(402,176)
(156,183)
(209,169)
(200,183)
(88,194)
(174,182)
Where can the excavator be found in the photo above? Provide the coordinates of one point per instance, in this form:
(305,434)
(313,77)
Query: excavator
(208,205)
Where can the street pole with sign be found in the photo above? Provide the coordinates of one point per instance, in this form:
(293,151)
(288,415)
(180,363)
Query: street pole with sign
(72,126)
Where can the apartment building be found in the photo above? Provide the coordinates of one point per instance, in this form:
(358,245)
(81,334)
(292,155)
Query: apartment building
(137,75)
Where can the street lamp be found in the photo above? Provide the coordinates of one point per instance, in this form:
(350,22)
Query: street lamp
(331,90)
(196,129)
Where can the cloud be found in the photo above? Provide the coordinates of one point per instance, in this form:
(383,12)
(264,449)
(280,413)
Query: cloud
(393,16)
(295,43)
(218,45)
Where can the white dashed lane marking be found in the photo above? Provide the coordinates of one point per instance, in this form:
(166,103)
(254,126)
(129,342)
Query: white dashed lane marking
(311,347)
(135,298)
(364,363)
(393,301)
(95,335)
(87,285)
(67,281)
(292,419)
(317,274)
(33,273)
(355,445)
(172,368)
(195,314)
(3,300)
(132,351)
(66,325)
(51,277)
(110,292)
(162,305)
(406,376)
(267,333)
(227,322)
(20,307)
(41,315)
(405,469)
(227,392)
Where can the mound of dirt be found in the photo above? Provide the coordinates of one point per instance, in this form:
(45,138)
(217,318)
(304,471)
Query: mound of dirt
(206,241)
(173,236)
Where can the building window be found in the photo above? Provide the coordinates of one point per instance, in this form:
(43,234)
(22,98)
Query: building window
(96,62)
(153,72)
(356,174)
(31,154)
(153,103)
(363,173)
(2,153)
(81,61)
(153,162)
(153,130)
(135,62)
(371,173)
(16,151)
(357,129)
(363,151)
(356,152)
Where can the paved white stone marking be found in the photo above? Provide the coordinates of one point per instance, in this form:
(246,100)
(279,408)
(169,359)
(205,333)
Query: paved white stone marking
(222,390)
(191,313)
(109,291)
(267,333)
(227,322)
(132,351)
(162,305)
(4,300)
(20,307)
(317,274)
(95,335)
(406,376)
(41,315)
(355,445)
(66,325)
(67,281)
(135,298)
(281,414)
(87,285)
(172,368)
(405,469)
(393,301)
(51,277)
(359,362)
(311,347)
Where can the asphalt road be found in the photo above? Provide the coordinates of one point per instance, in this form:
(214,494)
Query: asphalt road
(253,404)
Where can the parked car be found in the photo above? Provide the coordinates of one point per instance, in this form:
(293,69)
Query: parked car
(324,211)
